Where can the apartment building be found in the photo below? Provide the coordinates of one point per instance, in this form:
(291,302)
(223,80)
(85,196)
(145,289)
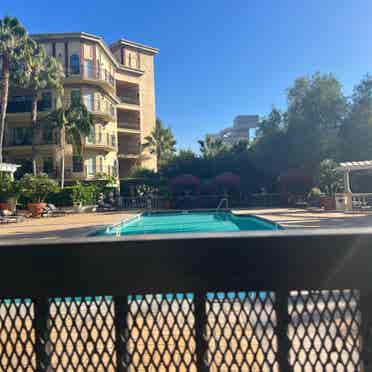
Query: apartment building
(116,83)
(240,130)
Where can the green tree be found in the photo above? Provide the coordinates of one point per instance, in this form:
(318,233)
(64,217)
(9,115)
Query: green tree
(39,72)
(161,143)
(211,147)
(330,177)
(73,123)
(12,38)
(356,131)
(270,124)
(316,110)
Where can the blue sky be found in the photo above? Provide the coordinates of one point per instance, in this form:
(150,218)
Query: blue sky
(221,58)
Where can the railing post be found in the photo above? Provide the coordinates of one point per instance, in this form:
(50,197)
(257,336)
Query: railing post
(283,320)
(121,331)
(366,330)
(41,315)
(200,332)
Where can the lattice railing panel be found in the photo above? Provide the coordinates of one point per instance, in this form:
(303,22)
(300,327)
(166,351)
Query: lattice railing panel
(219,331)
(81,334)
(161,334)
(241,331)
(324,331)
(17,336)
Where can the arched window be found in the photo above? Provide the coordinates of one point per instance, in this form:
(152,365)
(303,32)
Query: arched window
(75,64)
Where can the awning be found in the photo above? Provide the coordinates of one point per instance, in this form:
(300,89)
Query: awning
(8,167)
(355,165)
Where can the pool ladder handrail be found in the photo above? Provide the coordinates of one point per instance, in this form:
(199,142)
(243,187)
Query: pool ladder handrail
(223,200)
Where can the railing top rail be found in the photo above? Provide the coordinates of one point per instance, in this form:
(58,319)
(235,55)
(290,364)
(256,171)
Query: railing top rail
(282,260)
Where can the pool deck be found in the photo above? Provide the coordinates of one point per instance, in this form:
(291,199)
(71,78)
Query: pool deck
(76,225)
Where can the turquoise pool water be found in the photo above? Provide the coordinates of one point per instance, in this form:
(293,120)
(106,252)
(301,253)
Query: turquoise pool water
(189,222)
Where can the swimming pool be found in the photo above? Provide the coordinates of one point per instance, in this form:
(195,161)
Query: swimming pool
(189,222)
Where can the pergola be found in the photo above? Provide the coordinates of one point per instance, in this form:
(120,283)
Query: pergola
(9,168)
(349,166)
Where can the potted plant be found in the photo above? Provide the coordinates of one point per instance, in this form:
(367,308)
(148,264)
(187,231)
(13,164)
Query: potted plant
(84,196)
(9,192)
(314,197)
(37,189)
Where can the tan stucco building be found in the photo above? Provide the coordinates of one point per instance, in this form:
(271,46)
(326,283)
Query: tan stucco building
(116,83)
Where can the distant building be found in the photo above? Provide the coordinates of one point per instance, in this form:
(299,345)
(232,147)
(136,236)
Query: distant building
(239,131)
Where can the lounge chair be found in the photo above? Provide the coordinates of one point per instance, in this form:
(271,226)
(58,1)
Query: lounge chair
(52,211)
(8,217)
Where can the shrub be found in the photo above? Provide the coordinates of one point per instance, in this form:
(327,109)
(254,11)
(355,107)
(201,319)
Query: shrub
(330,177)
(63,198)
(84,194)
(37,188)
(314,193)
(9,188)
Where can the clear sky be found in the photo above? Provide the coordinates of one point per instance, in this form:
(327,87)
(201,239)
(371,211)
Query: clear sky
(221,58)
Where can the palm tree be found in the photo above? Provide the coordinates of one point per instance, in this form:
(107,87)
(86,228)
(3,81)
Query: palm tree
(12,38)
(39,72)
(210,147)
(161,142)
(74,124)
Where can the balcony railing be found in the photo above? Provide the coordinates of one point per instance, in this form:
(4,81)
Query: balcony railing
(129,125)
(93,73)
(101,141)
(21,107)
(129,150)
(258,301)
(129,99)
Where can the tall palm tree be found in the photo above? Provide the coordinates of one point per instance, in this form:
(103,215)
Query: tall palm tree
(73,123)
(40,72)
(210,147)
(12,38)
(161,143)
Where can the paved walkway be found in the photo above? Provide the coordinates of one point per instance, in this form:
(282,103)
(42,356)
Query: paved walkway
(77,225)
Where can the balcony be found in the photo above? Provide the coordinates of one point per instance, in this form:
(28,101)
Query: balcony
(92,75)
(129,127)
(25,106)
(262,301)
(129,150)
(100,108)
(101,143)
(128,95)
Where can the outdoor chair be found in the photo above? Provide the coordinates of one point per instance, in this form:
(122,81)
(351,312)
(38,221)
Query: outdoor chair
(52,211)
(9,217)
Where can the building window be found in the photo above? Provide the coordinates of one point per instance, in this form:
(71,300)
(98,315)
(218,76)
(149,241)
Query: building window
(100,165)
(75,96)
(46,101)
(88,68)
(48,165)
(48,135)
(113,140)
(75,64)
(22,136)
(91,164)
(77,163)
(88,100)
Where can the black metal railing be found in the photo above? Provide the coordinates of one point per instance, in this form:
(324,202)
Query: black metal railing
(264,301)
(142,202)
(203,201)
